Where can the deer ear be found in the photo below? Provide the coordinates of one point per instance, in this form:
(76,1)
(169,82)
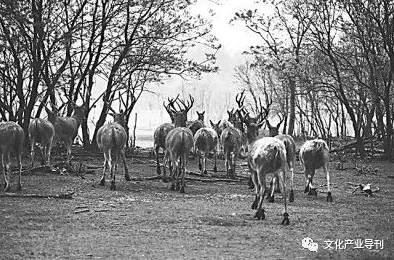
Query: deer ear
(203,112)
(212,124)
(219,121)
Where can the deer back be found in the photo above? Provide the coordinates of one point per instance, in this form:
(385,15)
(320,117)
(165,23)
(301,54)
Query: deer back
(267,154)
(179,142)
(205,139)
(314,154)
(290,146)
(111,136)
(12,137)
(231,139)
(41,130)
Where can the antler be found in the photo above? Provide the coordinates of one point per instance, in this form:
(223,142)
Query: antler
(171,104)
(240,98)
(186,105)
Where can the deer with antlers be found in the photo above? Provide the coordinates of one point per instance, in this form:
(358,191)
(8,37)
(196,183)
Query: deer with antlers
(178,143)
(161,133)
(41,132)
(112,139)
(267,155)
(11,139)
(66,128)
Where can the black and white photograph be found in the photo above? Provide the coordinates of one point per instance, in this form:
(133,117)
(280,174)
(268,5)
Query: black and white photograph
(197,129)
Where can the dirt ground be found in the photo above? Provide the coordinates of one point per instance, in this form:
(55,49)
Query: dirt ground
(212,220)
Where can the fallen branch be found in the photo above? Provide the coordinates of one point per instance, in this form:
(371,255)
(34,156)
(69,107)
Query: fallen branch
(212,180)
(39,196)
(151,178)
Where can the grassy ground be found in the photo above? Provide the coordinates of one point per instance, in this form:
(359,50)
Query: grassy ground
(145,220)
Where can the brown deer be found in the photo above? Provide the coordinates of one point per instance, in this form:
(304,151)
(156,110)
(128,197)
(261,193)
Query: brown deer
(11,139)
(161,132)
(195,125)
(313,155)
(41,132)
(231,141)
(266,155)
(112,139)
(178,143)
(66,128)
(205,141)
(290,155)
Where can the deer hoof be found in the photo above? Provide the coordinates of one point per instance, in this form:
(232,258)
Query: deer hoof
(215,169)
(260,214)
(329,198)
(158,170)
(285,220)
(102,182)
(205,172)
(271,199)
(306,189)
(199,166)
(182,189)
(291,198)
(172,187)
(113,187)
(313,192)
(19,187)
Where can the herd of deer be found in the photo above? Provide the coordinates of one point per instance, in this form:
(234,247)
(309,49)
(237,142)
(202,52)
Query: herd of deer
(239,136)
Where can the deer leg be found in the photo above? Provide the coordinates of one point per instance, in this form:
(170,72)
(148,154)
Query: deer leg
(32,152)
(102,181)
(215,155)
(68,147)
(49,149)
(112,164)
(178,173)
(19,159)
(173,171)
(270,196)
(253,177)
(233,175)
(291,166)
(282,184)
(126,171)
(199,161)
(329,197)
(4,166)
(204,161)
(182,174)
(261,180)
(312,189)
(157,161)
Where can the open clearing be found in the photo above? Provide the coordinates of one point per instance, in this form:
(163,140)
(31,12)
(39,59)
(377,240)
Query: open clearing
(212,220)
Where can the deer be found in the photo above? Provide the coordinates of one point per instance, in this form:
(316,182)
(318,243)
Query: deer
(195,125)
(178,143)
(66,128)
(314,154)
(112,139)
(231,141)
(161,132)
(11,139)
(41,132)
(266,155)
(205,141)
(289,142)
